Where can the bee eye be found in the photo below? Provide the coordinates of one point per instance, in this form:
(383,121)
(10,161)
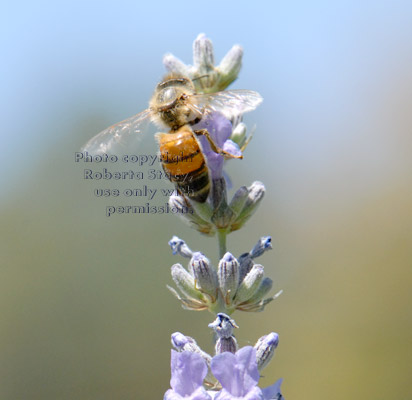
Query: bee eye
(167,96)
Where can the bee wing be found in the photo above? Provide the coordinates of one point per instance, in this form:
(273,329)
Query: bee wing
(118,137)
(230,103)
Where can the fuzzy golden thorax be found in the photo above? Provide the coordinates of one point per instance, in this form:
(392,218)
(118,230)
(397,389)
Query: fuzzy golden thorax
(171,103)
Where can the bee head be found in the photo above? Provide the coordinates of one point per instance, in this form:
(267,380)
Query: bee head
(170,90)
(166,98)
(169,101)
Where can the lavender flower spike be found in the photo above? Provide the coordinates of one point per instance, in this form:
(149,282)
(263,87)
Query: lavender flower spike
(237,283)
(188,372)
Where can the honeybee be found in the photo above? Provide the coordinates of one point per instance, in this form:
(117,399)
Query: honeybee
(176,106)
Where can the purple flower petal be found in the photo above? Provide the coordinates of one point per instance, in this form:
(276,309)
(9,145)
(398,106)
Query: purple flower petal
(273,392)
(237,373)
(219,129)
(199,394)
(254,394)
(223,368)
(232,148)
(188,371)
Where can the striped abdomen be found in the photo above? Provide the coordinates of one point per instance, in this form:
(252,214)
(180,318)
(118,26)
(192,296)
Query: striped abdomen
(184,163)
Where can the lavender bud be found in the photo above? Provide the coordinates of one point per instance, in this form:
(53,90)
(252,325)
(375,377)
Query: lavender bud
(238,200)
(239,134)
(185,343)
(228,275)
(245,265)
(185,282)
(188,214)
(218,192)
(264,244)
(250,284)
(204,273)
(222,214)
(203,210)
(230,66)
(226,344)
(203,53)
(255,195)
(173,64)
(179,340)
(179,246)
(223,325)
(265,349)
(264,288)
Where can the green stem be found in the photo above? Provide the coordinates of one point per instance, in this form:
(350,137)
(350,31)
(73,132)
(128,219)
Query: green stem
(221,236)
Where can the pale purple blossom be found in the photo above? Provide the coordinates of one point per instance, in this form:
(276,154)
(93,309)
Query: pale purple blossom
(220,129)
(273,392)
(188,372)
(238,375)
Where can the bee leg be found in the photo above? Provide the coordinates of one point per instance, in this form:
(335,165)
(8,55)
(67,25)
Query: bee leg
(213,145)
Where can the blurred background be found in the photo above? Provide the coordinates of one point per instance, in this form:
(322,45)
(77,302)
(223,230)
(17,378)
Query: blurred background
(85,313)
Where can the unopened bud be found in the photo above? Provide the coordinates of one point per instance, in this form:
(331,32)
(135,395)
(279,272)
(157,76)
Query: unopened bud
(188,213)
(203,52)
(238,201)
(255,194)
(226,344)
(179,246)
(173,64)
(228,275)
(263,289)
(264,244)
(230,66)
(239,134)
(185,282)
(250,284)
(205,274)
(223,325)
(245,265)
(265,349)
(185,343)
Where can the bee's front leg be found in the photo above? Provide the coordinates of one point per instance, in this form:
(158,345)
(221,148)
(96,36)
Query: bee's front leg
(213,145)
